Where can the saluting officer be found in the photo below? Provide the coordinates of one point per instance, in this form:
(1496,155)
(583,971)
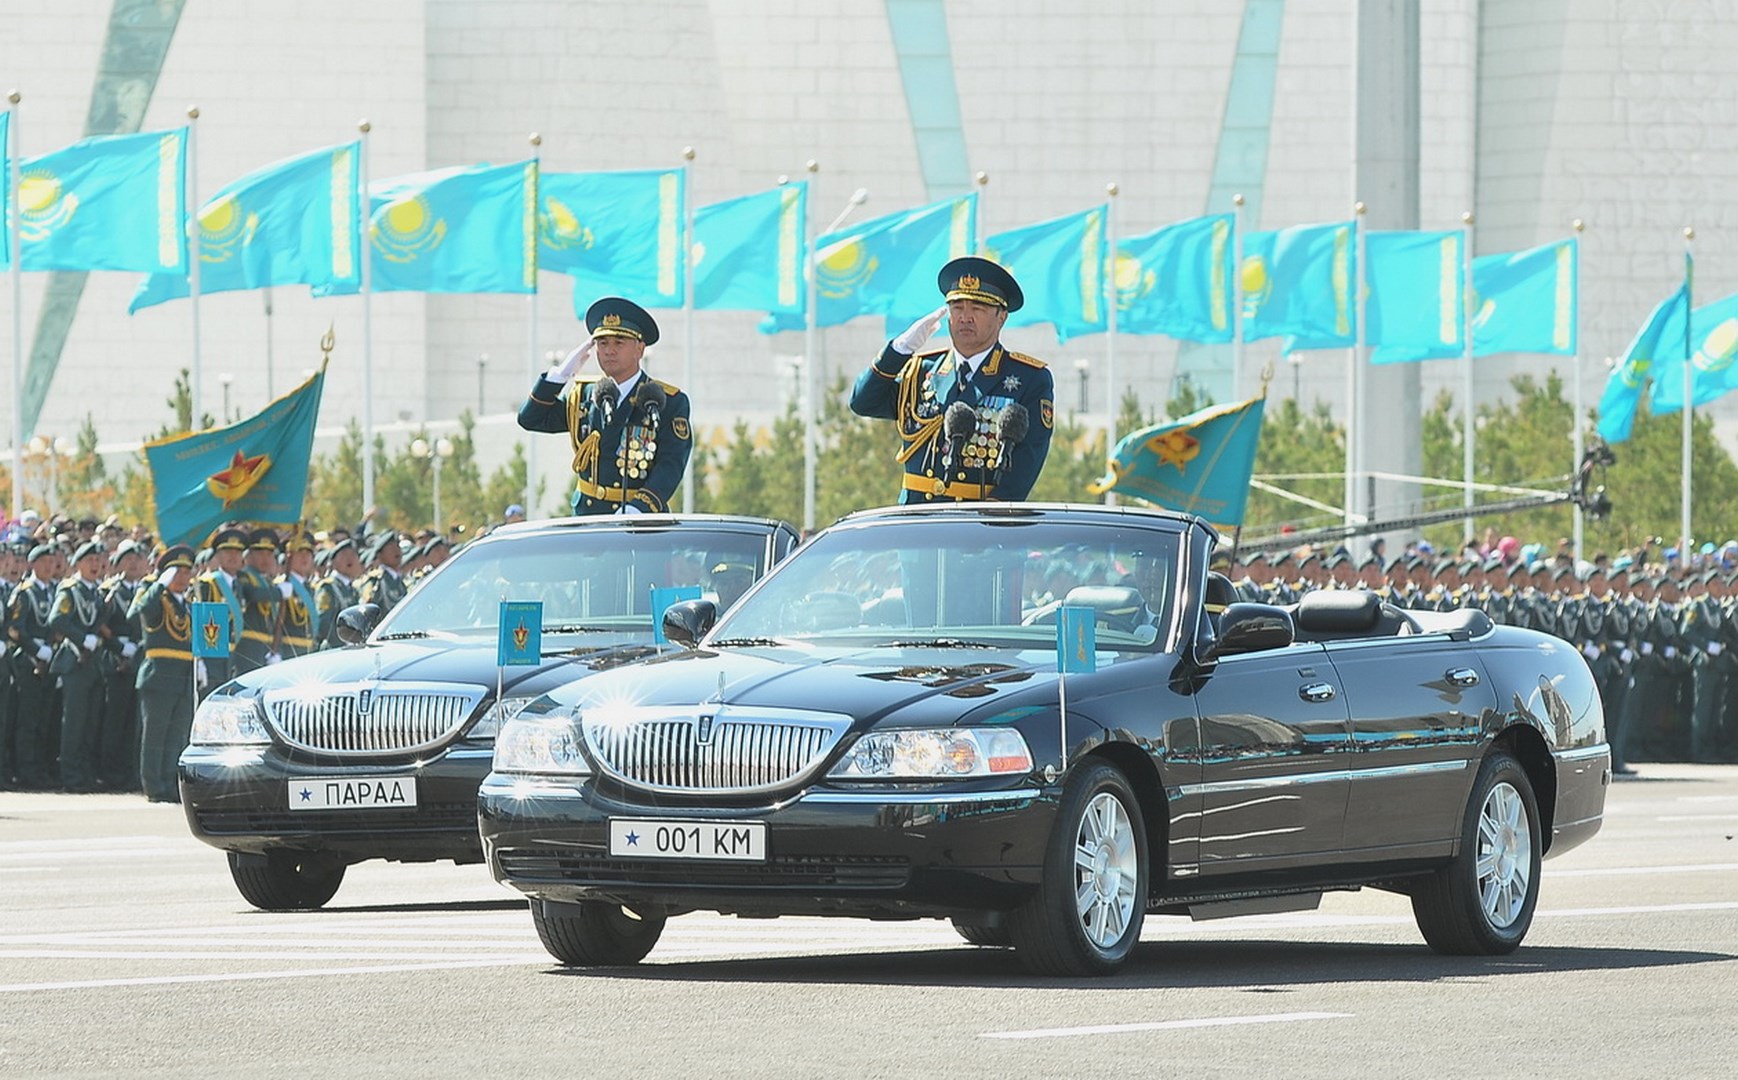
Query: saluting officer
(166,674)
(299,614)
(337,589)
(222,584)
(261,602)
(975,419)
(630,433)
(383,585)
(119,769)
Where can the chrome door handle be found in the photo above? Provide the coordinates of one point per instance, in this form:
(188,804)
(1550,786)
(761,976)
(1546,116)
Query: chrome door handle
(1319,691)
(1462,676)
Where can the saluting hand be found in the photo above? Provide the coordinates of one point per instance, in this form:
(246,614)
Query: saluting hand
(564,371)
(919,332)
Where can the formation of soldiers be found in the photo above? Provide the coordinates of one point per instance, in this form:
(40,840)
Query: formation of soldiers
(1662,642)
(99,683)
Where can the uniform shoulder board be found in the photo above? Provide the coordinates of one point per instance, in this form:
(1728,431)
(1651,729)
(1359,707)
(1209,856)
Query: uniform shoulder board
(931,354)
(1031,361)
(668,387)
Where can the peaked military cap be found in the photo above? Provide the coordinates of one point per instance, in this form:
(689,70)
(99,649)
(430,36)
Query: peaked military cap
(229,540)
(88,548)
(380,542)
(614,316)
(1335,560)
(42,551)
(180,555)
(323,556)
(972,278)
(299,541)
(263,540)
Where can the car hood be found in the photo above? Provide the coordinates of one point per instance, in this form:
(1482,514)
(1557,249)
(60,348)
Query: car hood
(450,661)
(930,685)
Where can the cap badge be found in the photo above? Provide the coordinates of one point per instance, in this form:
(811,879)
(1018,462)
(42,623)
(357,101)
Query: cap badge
(612,320)
(969,281)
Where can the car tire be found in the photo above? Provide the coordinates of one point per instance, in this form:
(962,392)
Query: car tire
(1481,904)
(592,933)
(283,880)
(993,937)
(1098,849)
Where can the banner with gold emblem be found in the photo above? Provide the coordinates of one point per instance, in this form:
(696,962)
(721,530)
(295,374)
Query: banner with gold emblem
(1200,464)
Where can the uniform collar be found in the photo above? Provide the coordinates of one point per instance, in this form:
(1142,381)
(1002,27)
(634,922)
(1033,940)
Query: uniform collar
(974,362)
(627,388)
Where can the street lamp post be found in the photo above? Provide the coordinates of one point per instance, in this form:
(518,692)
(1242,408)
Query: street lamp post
(1083,369)
(482,362)
(440,450)
(226,379)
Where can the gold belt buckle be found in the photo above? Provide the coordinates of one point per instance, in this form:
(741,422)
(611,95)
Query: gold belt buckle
(940,486)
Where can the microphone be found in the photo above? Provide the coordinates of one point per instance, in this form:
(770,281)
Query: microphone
(1012,424)
(604,392)
(652,402)
(959,425)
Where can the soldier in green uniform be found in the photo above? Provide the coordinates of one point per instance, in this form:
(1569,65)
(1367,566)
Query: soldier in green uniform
(337,590)
(81,622)
(119,757)
(1700,625)
(261,601)
(35,722)
(383,585)
(12,564)
(222,584)
(999,402)
(165,680)
(630,433)
(299,613)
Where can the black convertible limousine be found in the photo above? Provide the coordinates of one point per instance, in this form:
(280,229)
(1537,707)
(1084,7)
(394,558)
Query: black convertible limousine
(880,729)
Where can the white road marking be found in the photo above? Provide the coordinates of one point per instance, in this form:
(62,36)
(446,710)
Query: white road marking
(254,976)
(1164,1025)
(1698,817)
(1602,871)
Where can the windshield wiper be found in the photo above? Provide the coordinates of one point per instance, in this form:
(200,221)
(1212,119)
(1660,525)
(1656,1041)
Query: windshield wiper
(403,635)
(936,643)
(742,642)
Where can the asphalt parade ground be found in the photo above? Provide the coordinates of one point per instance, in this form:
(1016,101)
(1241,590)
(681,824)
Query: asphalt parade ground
(125,950)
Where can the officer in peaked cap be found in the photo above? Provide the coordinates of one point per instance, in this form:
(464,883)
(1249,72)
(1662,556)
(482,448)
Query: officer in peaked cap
(36,723)
(976,418)
(119,757)
(222,584)
(262,603)
(383,584)
(337,589)
(165,679)
(82,622)
(630,432)
(298,615)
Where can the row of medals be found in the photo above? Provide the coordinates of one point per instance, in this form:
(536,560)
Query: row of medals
(634,456)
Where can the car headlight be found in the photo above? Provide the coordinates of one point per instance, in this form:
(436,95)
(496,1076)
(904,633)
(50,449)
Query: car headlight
(944,753)
(547,745)
(228,721)
(499,713)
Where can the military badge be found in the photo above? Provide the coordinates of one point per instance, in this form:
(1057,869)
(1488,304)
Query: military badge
(680,426)
(1047,413)
(1011,383)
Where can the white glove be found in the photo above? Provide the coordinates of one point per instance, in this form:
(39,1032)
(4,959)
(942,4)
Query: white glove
(1626,655)
(285,589)
(1591,652)
(919,332)
(128,649)
(199,672)
(564,371)
(1647,648)
(90,643)
(1715,648)
(1671,651)
(43,652)
(273,658)
(630,508)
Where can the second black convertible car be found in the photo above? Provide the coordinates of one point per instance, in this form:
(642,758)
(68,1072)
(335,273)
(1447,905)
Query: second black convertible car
(878,730)
(375,751)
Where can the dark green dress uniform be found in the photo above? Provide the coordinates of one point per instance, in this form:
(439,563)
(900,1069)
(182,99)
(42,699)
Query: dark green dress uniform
(217,587)
(626,453)
(382,585)
(1700,624)
(332,594)
(81,621)
(261,604)
(917,391)
(34,726)
(298,629)
(165,680)
(118,759)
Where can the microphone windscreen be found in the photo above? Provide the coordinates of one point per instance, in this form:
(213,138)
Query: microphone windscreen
(961,420)
(605,390)
(652,395)
(1013,423)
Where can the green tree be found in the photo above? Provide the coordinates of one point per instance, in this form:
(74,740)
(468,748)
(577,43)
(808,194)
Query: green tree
(857,461)
(1296,442)
(1076,460)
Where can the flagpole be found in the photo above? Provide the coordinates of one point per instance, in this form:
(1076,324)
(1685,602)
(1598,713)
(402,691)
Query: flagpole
(12,245)
(1579,439)
(1469,432)
(367,212)
(1689,383)
(810,451)
(1109,288)
(982,179)
(1237,292)
(688,304)
(193,249)
(1353,434)
(536,141)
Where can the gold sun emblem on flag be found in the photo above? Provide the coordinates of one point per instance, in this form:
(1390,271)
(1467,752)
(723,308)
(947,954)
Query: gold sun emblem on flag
(1175,448)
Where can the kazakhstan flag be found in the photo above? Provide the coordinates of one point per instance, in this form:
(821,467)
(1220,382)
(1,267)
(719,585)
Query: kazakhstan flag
(1200,464)
(1527,301)
(113,202)
(748,252)
(887,266)
(295,222)
(1177,281)
(1299,282)
(615,233)
(1061,265)
(1416,283)
(255,470)
(1662,334)
(1713,350)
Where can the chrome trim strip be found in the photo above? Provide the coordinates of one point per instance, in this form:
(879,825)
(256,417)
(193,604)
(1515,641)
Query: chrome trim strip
(1586,752)
(1222,787)
(906,798)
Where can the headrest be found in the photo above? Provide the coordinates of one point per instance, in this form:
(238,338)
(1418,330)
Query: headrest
(1331,610)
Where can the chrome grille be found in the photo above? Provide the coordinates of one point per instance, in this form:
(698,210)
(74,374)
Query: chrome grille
(371,718)
(713,750)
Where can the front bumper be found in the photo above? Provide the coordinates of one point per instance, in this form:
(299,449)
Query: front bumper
(890,854)
(237,799)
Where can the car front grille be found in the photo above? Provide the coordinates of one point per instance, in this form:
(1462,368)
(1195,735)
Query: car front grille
(806,871)
(371,719)
(714,750)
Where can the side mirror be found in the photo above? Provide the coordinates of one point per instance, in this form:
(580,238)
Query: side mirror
(355,623)
(687,621)
(1245,628)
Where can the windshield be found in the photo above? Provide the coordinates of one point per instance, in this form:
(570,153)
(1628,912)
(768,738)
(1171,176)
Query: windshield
(590,580)
(960,583)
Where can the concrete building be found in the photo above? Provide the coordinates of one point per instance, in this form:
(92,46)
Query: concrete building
(1531,114)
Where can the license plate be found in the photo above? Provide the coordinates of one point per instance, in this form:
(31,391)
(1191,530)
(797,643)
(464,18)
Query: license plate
(353,793)
(741,840)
